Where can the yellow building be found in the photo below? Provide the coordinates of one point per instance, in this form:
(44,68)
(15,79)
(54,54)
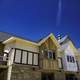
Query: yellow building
(47,59)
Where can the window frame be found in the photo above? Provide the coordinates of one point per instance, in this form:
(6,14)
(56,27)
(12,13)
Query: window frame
(15,57)
(26,57)
(50,54)
(70,59)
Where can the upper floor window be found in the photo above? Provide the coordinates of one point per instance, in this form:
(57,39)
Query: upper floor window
(70,59)
(18,56)
(26,57)
(49,54)
(73,59)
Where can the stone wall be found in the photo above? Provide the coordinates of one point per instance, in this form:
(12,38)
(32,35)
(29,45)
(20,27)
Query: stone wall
(59,75)
(3,74)
(24,73)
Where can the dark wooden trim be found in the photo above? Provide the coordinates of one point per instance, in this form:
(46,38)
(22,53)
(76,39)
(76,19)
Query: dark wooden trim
(38,59)
(14,55)
(21,56)
(25,64)
(32,59)
(27,57)
(77,65)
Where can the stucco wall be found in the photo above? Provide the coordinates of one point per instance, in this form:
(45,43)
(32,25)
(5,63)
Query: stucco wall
(26,46)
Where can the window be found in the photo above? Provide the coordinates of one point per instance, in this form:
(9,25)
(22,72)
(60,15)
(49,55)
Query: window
(18,56)
(29,58)
(70,59)
(60,63)
(50,54)
(24,57)
(35,62)
(73,59)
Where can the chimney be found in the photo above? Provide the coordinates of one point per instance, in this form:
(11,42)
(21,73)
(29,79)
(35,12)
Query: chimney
(59,37)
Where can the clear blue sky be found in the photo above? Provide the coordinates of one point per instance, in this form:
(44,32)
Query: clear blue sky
(36,18)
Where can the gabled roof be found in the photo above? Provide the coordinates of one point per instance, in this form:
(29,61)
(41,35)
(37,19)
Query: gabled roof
(65,39)
(17,38)
(45,38)
(36,43)
(49,36)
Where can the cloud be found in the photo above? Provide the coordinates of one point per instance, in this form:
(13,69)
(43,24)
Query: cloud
(58,20)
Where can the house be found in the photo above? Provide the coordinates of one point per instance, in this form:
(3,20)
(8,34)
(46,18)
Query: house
(47,59)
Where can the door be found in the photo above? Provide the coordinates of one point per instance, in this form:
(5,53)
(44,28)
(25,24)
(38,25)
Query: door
(47,76)
(71,77)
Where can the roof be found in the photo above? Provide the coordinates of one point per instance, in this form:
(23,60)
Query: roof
(63,47)
(62,39)
(11,37)
(4,36)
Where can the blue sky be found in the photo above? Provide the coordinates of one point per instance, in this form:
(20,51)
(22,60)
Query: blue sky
(36,18)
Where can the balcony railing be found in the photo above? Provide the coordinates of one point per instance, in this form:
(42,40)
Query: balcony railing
(49,64)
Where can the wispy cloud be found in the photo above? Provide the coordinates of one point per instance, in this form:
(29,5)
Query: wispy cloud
(58,19)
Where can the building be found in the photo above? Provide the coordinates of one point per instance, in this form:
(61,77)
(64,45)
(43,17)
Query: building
(47,59)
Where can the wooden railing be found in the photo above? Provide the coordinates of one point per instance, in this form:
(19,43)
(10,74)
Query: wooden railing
(49,64)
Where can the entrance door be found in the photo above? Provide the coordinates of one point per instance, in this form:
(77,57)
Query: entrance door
(47,76)
(71,77)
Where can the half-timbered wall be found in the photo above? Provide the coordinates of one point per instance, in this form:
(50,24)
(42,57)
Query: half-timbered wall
(48,60)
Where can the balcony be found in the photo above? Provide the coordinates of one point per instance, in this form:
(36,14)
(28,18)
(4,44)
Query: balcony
(3,61)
